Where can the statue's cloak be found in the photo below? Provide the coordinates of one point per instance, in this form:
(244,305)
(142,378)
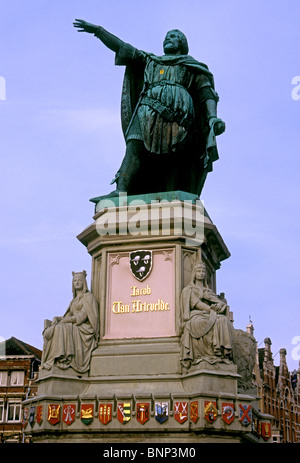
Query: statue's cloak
(133,87)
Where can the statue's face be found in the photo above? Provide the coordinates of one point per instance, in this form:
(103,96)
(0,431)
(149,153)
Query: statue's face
(200,274)
(172,43)
(78,283)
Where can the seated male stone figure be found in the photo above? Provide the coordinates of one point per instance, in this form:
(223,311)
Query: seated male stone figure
(69,340)
(207,333)
(169,116)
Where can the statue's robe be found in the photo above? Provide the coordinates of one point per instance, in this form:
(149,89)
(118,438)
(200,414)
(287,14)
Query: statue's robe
(207,335)
(71,344)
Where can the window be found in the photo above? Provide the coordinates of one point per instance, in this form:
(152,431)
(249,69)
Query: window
(3,378)
(14,411)
(17,378)
(1,410)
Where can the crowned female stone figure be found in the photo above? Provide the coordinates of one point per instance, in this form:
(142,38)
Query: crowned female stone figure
(207,332)
(70,340)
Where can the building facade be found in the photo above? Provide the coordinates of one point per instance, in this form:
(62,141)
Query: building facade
(279,392)
(19,364)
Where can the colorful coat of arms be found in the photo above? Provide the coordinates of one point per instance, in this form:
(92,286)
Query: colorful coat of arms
(266,431)
(87,413)
(256,427)
(228,412)
(53,413)
(245,414)
(181,411)
(32,415)
(68,413)
(25,416)
(194,411)
(39,414)
(161,411)
(210,411)
(142,412)
(105,413)
(124,412)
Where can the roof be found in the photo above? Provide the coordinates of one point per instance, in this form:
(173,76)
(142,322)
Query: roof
(14,346)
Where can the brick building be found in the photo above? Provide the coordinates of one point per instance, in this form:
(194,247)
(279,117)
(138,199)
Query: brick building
(19,364)
(279,391)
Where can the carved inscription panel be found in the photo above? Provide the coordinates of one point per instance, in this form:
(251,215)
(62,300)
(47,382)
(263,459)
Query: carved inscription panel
(140,299)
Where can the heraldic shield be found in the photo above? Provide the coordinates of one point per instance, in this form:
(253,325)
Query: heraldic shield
(180,411)
(140,264)
(161,411)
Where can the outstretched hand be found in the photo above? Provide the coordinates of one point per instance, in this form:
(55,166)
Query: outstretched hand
(84,26)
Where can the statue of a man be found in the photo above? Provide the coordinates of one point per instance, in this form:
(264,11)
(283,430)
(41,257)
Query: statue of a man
(70,340)
(169,116)
(207,332)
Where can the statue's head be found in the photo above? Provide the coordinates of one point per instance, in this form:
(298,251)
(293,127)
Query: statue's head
(199,272)
(79,282)
(175,43)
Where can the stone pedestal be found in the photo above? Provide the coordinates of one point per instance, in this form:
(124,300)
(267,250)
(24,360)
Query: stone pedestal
(136,372)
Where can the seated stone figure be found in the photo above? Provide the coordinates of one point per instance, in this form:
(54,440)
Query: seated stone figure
(207,332)
(70,340)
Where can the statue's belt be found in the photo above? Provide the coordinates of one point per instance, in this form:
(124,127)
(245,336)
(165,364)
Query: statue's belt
(167,113)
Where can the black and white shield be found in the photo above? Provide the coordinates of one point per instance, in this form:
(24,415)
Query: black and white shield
(31,415)
(140,264)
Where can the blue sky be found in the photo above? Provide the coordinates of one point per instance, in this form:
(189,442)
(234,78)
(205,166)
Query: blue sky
(61,143)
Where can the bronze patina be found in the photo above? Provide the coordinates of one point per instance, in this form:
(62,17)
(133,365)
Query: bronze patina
(169,116)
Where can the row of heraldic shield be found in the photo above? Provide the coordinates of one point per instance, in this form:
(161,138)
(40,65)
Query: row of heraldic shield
(181,412)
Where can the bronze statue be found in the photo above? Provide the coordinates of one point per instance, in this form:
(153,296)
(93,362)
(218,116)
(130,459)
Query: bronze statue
(169,116)
(207,332)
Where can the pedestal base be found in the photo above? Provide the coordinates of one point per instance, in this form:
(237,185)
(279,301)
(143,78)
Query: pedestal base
(137,389)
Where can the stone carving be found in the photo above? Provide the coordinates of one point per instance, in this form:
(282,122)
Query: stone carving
(70,340)
(169,116)
(244,358)
(207,332)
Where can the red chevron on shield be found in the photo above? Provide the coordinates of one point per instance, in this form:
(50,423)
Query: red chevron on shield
(180,411)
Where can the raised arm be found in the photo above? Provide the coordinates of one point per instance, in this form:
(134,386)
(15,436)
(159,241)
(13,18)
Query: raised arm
(111,41)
